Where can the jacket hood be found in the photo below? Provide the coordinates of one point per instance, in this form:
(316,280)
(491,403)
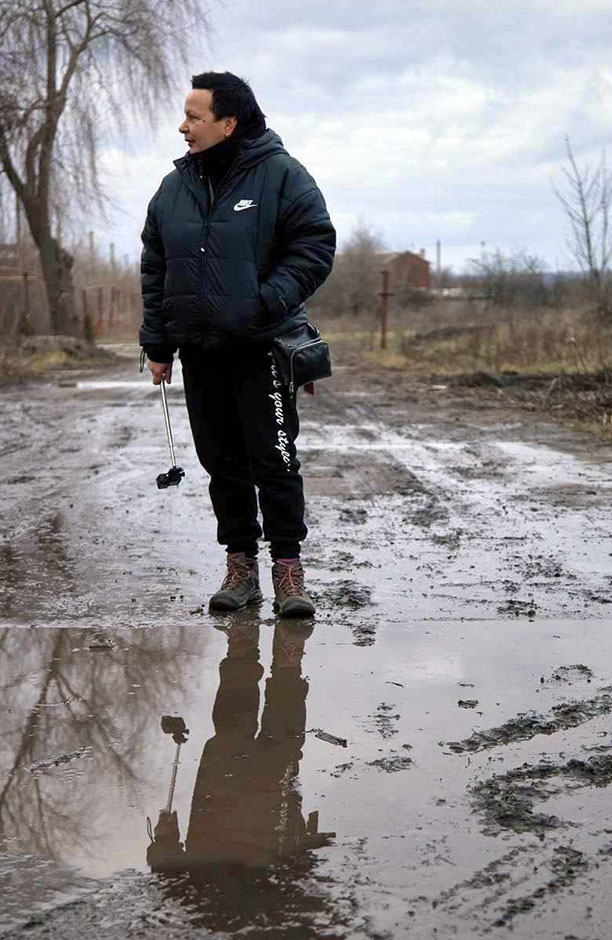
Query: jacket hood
(250,153)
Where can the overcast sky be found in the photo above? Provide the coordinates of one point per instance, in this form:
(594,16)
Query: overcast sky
(424,119)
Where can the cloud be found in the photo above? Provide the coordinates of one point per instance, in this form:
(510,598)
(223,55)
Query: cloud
(439,119)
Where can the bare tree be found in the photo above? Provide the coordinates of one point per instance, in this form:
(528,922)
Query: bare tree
(70,72)
(510,280)
(355,280)
(362,264)
(586,202)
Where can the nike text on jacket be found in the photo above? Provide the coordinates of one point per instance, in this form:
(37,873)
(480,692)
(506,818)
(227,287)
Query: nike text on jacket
(236,269)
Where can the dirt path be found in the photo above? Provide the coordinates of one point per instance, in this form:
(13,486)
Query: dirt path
(431,761)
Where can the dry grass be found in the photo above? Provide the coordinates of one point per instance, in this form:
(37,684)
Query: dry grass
(559,361)
(544,343)
(447,341)
(19,363)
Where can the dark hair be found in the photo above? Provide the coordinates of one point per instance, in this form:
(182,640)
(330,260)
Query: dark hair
(231,97)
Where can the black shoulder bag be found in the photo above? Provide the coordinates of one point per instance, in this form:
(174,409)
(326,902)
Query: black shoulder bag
(301,357)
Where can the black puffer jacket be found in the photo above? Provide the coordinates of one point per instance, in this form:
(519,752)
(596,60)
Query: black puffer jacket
(236,269)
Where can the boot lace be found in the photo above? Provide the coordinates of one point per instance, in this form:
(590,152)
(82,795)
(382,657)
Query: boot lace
(237,571)
(291,581)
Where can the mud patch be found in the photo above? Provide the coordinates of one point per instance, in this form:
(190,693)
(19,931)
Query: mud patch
(348,594)
(518,608)
(431,512)
(364,634)
(340,561)
(450,540)
(384,721)
(341,769)
(102,641)
(352,597)
(567,864)
(538,566)
(353,515)
(43,765)
(392,764)
(506,801)
(570,674)
(525,727)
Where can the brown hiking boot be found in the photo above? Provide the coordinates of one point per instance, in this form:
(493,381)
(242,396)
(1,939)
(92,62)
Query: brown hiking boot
(290,598)
(240,585)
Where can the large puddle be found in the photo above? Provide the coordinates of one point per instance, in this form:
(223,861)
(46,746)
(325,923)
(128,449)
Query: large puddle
(321,785)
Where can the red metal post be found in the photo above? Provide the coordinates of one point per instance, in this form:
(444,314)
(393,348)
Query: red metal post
(100,317)
(26,303)
(384,308)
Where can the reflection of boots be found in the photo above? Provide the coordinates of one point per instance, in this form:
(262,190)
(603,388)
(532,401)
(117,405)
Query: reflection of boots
(288,644)
(240,585)
(243,641)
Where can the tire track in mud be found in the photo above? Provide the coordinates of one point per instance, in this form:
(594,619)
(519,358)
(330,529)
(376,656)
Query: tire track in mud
(506,801)
(476,511)
(502,887)
(524,881)
(525,727)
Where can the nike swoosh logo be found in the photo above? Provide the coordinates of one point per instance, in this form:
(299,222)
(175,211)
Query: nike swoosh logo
(244,204)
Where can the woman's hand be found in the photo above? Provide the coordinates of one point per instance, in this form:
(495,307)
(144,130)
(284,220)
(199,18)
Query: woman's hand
(159,371)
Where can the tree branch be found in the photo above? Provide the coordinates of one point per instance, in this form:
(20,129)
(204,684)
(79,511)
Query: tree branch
(10,169)
(68,6)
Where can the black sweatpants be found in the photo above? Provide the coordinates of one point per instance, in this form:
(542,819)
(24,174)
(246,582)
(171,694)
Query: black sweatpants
(244,424)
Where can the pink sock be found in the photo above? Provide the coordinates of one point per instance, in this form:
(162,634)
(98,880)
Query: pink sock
(287,561)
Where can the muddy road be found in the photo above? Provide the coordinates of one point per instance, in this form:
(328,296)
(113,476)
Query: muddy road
(431,758)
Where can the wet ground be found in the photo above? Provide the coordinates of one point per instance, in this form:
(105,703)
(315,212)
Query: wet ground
(429,759)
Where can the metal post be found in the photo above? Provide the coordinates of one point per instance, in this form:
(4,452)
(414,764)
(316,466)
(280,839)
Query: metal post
(113,299)
(384,308)
(87,324)
(26,303)
(18,232)
(100,317)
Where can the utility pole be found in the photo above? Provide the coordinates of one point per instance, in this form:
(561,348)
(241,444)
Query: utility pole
(438,263)
(92,251)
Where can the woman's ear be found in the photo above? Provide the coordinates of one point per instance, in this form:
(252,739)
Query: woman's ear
(230,126)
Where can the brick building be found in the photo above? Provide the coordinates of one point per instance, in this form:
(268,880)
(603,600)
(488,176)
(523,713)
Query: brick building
(407,269)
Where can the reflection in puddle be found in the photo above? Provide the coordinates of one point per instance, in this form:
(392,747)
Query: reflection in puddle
(230,842)
(246,842)
(69,729)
